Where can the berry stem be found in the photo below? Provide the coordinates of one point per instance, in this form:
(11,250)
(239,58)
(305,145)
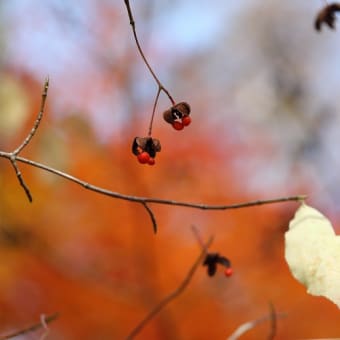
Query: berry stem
(153,111)
(133,25)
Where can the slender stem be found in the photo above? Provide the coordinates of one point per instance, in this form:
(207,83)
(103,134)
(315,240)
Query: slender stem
(37,121)
(152,216)
(20,178)
(173,295)
(153,111)
(133,25)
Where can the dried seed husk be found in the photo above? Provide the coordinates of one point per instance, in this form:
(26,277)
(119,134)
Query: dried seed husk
(138,144)
(176,112)
(148,144)
(327,16)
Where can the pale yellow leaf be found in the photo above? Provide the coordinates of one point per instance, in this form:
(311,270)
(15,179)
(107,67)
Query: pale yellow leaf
(312,251)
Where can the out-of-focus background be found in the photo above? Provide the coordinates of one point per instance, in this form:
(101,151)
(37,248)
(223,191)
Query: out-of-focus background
(263,87)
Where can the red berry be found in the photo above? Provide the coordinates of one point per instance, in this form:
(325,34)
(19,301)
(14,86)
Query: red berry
(228,272)
(186,120)
(151,161)
(143,157)
(177,125)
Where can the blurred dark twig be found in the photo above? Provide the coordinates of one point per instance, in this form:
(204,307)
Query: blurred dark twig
(152,216)
(272,316)
(32,328)
(273,322)
(173,295)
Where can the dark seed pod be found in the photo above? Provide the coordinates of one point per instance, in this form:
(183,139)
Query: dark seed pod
(176,112)
(327,16)
(138,145)
(211,261)
(152,146)
(148,144)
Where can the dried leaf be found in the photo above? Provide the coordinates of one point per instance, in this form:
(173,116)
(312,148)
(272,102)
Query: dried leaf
(312,251)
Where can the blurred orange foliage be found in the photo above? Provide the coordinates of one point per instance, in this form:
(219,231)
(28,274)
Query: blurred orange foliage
(95,260)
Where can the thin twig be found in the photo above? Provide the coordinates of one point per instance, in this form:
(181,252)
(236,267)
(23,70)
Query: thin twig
(152,216)
(172,295)
(198,236)
(37,121)
(247,326)
(20,178)
(273,322)
(133,25)
(32,328)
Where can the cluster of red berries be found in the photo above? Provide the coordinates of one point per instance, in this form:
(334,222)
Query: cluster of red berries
(211,261)
(144,158)
(146,148)
(178,115)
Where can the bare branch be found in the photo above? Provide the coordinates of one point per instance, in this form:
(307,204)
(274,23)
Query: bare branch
(20,178)
(140,199)
(144,200)
(37,121)
(41,324)
(152,216)
(173,295)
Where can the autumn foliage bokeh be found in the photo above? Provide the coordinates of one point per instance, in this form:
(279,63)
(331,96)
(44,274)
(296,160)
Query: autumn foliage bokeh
(95,260)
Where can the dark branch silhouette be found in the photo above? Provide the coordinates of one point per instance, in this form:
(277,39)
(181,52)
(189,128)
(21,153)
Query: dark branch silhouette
(173,295)
(32,328)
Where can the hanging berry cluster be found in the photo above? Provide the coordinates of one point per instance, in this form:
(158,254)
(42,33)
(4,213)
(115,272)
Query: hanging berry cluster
(211,261)
(178,115)
(146,148)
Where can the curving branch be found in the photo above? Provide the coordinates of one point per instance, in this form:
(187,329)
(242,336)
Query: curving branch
(173,295)
(272,317)
(15,153)
(161,87)
(37,121)
(140,50)
(152,216)
(42,324)
(140,199)
(145,200)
